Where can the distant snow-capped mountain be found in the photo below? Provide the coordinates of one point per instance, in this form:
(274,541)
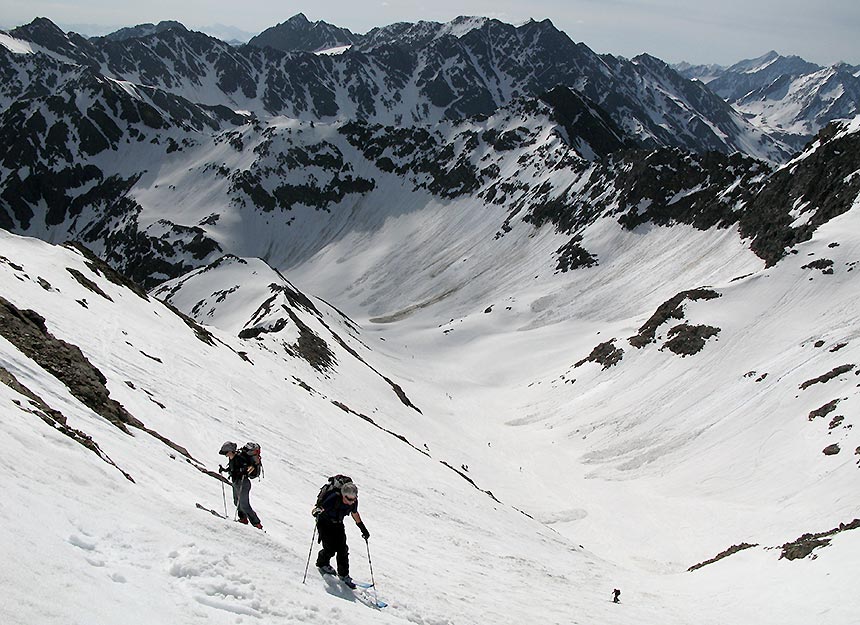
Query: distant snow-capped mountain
(795,108)
(143,30)
(230,34)
(786,96)
(739,79)
(105,156)
(415,73)
(703,73)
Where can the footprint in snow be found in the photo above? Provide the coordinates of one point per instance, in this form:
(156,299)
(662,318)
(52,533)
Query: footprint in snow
(82,543)
(215,581)
(94,556)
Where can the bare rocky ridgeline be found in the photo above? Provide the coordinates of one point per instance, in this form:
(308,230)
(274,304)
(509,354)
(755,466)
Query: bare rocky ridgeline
(682,339)
(798,549)
(27,330)
(670,309)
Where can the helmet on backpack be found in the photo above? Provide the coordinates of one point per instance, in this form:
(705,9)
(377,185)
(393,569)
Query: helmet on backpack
(252,452)
(335,484)
(227,447)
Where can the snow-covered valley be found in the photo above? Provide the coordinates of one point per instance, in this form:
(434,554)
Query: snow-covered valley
(601,476)
(555,361)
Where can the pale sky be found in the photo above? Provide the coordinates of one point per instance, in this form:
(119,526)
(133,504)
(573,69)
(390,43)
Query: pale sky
(713,31)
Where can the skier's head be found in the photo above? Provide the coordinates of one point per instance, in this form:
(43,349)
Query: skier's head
(349,492)
(228,447)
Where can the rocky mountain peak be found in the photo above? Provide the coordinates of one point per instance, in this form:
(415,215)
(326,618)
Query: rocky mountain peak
(408,35)
(756,63)
(463,25)
(144,30)
(651,62)
(43,32)
(40,26)
(298,34)
(584,122)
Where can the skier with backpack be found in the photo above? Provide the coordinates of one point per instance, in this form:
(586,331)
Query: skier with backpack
(335,500)
(243,464)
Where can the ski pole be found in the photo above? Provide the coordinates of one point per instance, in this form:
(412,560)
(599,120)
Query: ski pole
(310,551)
(224,495)
(372,581)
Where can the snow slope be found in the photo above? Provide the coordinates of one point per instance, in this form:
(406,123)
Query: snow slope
(143,546)
(525,439)
(623,478)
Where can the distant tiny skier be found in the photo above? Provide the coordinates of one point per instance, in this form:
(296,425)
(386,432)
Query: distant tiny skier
(241,469)
(616,596)
(329,513)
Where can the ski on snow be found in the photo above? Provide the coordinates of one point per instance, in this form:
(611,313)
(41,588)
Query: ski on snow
(358,584)
(211,511)
(219,515)
(364,587)
(365,590)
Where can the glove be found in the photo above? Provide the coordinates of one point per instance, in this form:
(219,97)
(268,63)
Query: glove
(221,469)
(316,512)
(364,532)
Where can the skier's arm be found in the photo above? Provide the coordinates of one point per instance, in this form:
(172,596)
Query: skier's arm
(364,532)
(246,465)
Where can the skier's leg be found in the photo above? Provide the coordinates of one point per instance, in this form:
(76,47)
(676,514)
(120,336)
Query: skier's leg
(328,548)
(245,502)
(342,551)
(237,487)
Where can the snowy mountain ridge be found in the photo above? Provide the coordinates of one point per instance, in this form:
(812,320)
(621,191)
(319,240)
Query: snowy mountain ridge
(786,96)
(299,34)
(405,73)
(158,184)
(143,30)
(688,430)
(108,163)
(559,353)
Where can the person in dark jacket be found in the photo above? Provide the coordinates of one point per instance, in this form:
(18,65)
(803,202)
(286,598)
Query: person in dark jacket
(330,514)
(239,467)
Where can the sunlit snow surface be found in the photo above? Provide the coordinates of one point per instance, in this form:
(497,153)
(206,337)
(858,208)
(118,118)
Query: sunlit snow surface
(334,51)
(504,482)
(17,46)
(618,478)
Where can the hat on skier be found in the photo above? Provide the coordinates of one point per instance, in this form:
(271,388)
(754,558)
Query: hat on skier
(349,489)
(227,447)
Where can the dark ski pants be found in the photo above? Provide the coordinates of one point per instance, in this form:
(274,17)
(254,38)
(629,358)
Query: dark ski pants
(242,501)
(333,539)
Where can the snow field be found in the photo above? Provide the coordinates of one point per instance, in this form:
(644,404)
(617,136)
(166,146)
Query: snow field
(616,478)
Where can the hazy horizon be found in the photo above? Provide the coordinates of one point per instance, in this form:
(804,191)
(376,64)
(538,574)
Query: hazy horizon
(674,31)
